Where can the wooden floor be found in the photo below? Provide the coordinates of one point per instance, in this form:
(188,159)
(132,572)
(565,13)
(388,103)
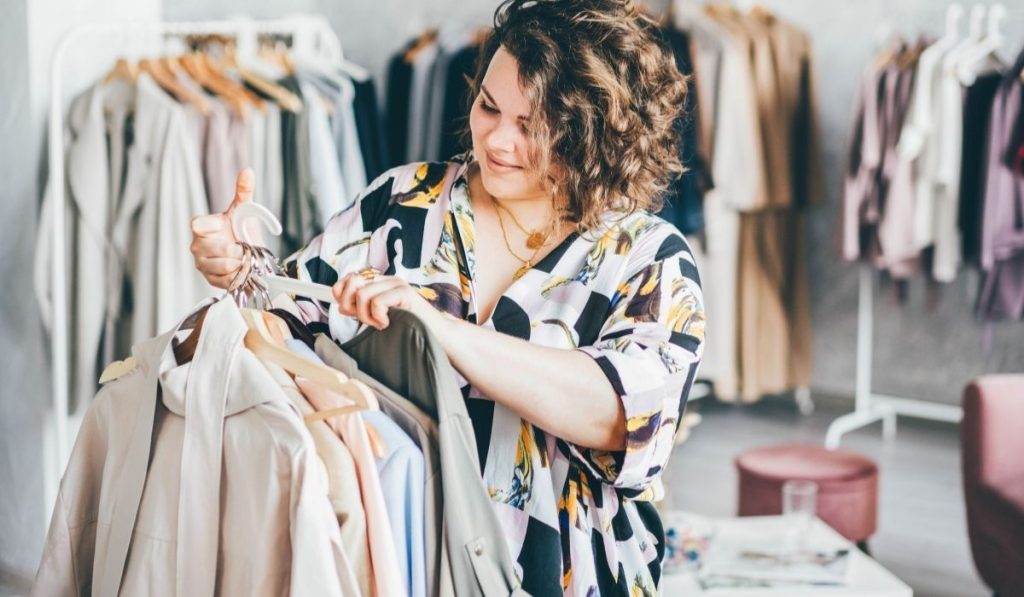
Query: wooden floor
(922,536)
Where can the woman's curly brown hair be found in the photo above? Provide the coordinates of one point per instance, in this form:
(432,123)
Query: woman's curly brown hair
(606,97)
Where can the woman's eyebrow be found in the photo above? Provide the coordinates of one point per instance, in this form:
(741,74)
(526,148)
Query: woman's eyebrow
(490,98)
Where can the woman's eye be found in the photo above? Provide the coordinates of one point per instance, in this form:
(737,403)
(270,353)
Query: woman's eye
(488,108)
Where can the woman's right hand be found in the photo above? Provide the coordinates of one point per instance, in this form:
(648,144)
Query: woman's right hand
(215,248)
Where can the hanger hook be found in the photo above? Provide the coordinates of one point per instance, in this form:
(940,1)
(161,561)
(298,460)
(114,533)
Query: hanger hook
(996,14)
(249,211)
(954,13)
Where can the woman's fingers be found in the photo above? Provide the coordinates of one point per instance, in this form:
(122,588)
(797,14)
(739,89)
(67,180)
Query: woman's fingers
(203,247)
(245,184)
(368,300)
(371,308)
(219,266)
(344,293)
(394,297)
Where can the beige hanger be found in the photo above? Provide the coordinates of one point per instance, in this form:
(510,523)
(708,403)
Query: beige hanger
(196,68)
(165,79)
(259,340)
(283,97)
(123,69)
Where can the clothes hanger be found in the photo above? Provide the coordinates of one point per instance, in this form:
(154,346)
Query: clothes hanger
(275,283)
(165,79)
(194,67)
(216,71)
(422,42)
(279,332)
(198,100)
(954,14)
(354,71)
(281,96)
(123,69)
(260,341)
(987,51)
(277,55)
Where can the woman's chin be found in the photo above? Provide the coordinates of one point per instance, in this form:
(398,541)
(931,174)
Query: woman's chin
(499,186)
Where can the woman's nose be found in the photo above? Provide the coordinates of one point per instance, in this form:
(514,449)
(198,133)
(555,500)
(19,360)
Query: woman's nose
(502,138)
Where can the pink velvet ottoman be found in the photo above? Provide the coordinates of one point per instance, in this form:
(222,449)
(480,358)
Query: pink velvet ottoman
(847,485)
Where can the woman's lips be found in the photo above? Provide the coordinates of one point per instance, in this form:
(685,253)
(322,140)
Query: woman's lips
(499,166)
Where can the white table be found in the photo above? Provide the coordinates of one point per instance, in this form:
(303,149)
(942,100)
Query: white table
(865,577)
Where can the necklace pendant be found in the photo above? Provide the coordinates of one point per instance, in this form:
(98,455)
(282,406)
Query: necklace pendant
(535,240)
(522,271)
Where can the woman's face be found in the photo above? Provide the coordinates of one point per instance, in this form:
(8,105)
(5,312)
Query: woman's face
(498,122)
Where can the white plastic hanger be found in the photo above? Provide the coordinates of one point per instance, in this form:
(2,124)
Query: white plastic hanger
(276,284)
(973,61)
(954,13)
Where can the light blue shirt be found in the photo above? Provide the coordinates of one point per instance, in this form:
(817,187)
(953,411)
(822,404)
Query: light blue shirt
(402,477)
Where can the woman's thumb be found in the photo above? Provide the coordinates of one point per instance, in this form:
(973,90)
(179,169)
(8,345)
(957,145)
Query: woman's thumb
(244,187)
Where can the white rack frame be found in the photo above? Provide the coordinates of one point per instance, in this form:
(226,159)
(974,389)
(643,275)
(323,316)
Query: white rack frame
(869,406)
(309,34)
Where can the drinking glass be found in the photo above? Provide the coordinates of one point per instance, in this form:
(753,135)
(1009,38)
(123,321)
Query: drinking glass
(799,500)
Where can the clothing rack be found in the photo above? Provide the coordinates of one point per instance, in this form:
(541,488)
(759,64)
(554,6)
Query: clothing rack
(869,406)
(308,34)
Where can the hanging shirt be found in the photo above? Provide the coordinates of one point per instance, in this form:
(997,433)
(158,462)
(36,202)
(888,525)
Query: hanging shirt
(352,429)
(1002,228)
(628,295)
(977,110)
(401,473)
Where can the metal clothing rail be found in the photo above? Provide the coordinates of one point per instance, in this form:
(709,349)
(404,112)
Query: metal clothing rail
(311,35)
(869,406)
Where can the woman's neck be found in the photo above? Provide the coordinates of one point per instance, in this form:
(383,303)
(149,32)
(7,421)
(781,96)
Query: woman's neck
(533,212)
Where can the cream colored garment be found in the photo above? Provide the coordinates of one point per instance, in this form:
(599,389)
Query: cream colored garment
(352,429)
(737,148)
(917,144)
(342,482)
(214,489)
(90,207)
(163,191)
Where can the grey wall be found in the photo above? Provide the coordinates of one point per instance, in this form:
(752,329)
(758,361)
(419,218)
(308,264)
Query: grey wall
(21,366)
(29,32)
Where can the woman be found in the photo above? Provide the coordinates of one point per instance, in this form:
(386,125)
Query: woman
(573,315)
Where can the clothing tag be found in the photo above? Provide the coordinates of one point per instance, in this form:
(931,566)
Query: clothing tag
(118,369)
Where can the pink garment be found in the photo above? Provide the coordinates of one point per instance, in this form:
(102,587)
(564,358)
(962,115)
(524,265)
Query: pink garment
(352,429)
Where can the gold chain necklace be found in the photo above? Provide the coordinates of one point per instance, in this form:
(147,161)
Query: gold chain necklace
(527,263)
(535,239)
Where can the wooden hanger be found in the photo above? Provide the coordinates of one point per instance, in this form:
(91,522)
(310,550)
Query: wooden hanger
(217,72)
(721,10)
(761,11)
(261,343)
(167,82)
(279,331)
(278,57)
(123,69)
(281,96)
(422,42)
(195,67)
(198,100)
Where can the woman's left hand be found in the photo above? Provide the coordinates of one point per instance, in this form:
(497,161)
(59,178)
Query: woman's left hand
(368,296)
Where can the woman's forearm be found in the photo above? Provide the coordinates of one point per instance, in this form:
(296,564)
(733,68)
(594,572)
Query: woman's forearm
(564,392)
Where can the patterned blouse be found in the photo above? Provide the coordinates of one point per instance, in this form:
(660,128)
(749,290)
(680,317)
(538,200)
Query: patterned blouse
(578,521)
